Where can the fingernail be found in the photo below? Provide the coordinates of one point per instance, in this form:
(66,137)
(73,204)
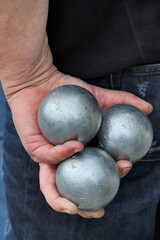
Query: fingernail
(77,150)
(150,109)
(94,215)
(69,211)
(125,170)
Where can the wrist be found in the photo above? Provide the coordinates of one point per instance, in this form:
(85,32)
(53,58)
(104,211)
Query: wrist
(30,73)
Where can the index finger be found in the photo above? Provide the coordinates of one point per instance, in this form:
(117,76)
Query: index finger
(42,151)
(48,188)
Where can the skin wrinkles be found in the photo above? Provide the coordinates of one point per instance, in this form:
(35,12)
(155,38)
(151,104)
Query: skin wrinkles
(27,74)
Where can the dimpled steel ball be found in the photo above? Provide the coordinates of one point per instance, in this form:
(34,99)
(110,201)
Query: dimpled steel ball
(68,113)
(90,179)
(125,132)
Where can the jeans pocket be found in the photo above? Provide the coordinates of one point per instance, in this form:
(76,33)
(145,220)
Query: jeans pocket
(144,82)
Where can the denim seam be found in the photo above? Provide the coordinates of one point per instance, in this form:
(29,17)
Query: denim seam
(25,198)
(150,160)
(143,73)
(117,82)
(156,65)
(111,81)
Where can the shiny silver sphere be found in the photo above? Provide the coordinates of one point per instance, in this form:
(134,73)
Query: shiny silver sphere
(90,179)
(125,132)
(68,113)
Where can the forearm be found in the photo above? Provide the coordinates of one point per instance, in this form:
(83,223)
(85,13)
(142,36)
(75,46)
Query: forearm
(23,40)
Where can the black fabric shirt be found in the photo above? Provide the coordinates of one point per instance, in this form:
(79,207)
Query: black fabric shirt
(93,38)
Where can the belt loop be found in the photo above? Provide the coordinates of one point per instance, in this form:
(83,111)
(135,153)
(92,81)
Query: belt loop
(111,81)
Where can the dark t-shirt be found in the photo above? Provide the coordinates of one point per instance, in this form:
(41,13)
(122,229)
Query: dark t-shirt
(93,38)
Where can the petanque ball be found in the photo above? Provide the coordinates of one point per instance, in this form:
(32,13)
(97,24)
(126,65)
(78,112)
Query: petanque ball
(69,112)
(90,179)
(125,133)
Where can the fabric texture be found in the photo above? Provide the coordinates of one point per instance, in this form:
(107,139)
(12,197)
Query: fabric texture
(91,39)
(3,210)
(132,213)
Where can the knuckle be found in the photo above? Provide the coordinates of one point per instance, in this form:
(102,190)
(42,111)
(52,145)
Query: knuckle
(30,151)
(36,160)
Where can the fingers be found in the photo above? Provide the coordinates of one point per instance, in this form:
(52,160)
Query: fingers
(58,203)
(42,151)
(48,187)
(92,214)
(124,167)
(107,98)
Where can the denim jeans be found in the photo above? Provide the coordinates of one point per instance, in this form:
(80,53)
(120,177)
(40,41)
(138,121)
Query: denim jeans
(3,211)
(2,122)
(132,213)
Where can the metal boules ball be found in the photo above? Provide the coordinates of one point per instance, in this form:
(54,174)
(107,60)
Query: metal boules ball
(90,179)
(125,133)
(69,112)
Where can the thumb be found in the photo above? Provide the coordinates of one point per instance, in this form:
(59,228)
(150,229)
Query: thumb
(124,167)
(108,97)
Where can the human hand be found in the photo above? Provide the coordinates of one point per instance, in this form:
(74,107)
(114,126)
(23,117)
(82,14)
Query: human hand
(24,105)
(47,178)
(27,75)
